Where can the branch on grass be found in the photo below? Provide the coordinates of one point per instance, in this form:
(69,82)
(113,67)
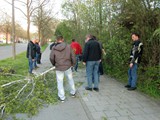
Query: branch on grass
(2,107)
(13,74)
(13,82)
(33,84)
(46,71)
(22,89)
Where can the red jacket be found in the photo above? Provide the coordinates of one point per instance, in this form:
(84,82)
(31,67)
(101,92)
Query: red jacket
(76,48)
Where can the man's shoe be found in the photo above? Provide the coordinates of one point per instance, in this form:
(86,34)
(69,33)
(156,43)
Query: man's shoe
(60,100)
(132,88)
(96,89)
(73,95)
(87,88)
(127,86)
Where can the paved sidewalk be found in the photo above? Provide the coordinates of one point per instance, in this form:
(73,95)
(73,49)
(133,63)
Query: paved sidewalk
(112,102)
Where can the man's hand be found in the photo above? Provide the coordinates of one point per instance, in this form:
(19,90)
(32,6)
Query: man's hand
(33,60)
(131,65)
(84,63)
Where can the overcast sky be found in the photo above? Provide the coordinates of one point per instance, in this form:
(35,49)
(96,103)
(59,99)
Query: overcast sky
(19,17)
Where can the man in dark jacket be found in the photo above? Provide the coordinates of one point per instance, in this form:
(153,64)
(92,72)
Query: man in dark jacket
(31,54)
(135,58)
(92,57)
(63,58)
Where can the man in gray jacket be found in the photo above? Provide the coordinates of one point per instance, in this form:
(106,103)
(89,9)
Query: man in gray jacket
(63,58)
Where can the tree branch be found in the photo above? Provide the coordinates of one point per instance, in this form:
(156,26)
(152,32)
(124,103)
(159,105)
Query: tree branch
(21,1)
(8,2)
(33,84)
(22,89)
(21,11)
(12,83)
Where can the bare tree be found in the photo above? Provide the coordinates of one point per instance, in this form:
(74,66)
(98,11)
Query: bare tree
(31,6)
(43,19)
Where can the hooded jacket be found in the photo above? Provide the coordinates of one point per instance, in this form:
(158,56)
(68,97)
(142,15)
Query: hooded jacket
(62,56)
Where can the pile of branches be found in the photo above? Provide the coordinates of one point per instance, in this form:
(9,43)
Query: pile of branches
(27,94)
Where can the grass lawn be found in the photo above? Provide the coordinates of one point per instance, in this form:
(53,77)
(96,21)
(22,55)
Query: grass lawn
(5,44)
(19,65)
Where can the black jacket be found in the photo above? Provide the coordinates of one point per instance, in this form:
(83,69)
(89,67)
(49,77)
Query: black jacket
(31,50)
(136,52)
(92,51)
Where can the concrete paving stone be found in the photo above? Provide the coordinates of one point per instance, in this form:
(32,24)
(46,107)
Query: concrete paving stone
(137,111)
(150,110)
(103,102)
(148,104)
(152,117)
(137,117)
(98,115)
(124,105)
(124,118)
(100,108)
(92,109)
(91,103)
(111,107)
(112,113)
(124,112)
(112,118)
(129,105)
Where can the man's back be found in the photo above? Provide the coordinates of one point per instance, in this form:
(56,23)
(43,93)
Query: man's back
(76,48)
(62,56)
(92,51)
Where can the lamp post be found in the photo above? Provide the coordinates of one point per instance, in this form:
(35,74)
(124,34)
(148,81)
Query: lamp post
(13,32)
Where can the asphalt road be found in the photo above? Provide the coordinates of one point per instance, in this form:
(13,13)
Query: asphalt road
(6,51)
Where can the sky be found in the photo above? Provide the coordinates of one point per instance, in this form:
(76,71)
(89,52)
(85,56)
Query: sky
(19,17)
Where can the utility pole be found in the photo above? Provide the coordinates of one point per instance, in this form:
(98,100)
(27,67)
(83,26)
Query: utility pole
(13,31)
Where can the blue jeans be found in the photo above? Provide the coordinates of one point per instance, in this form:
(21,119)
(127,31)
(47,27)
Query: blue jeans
(30,65)
(92,72)
(35,61)
(132,74)
(76,65)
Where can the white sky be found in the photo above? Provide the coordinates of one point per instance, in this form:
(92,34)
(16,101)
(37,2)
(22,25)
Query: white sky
(19,17)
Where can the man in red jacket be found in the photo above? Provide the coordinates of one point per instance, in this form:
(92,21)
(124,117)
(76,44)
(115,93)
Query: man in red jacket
(78,52)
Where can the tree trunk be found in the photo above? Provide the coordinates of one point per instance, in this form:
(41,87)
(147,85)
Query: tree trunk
(13,31)
(28,21)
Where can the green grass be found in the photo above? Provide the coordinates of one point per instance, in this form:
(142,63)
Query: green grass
(5,44)
(20,64)
(44,47)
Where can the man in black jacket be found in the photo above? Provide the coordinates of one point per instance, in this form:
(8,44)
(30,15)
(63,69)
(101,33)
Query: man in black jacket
(135,58)
(92,57)
(31,54)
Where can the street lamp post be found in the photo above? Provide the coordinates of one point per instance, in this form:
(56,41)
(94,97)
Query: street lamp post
(13,32)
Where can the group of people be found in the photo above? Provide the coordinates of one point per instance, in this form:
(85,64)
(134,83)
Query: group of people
(33,54)
(64,57)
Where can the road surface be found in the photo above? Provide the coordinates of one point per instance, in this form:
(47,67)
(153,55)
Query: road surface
(6,51)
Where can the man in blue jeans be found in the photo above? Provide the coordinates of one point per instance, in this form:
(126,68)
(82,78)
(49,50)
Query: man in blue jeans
(91,58)
(135,58)
(31,54)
